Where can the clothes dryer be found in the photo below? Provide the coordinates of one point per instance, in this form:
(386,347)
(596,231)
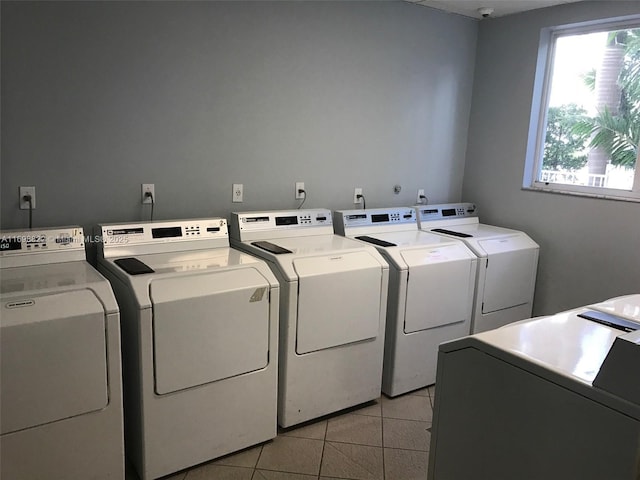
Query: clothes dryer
(332,320)
(60,373)
(199,329)
(507,266)
(431,291)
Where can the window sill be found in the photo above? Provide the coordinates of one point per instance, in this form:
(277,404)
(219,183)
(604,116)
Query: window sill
(558,191)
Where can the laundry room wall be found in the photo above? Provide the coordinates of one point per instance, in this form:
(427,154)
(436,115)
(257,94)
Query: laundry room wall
(100,97)
(588,246)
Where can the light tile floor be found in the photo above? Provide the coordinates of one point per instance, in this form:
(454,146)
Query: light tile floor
(387,439)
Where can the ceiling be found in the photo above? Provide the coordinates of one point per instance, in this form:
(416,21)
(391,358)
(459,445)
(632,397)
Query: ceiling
(500,8)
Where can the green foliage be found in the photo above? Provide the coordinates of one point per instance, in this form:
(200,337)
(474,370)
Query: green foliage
(615,134)
(564,147)
(618,135)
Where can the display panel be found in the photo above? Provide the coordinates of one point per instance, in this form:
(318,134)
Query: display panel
(290,220)
(10,244)
(449,212)
(126,231)
(166,232)
(380,217)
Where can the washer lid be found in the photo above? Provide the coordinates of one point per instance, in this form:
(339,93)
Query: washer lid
(53,361)
(207,327)
(339,298)
(563,343)
(56,278)
(626,307)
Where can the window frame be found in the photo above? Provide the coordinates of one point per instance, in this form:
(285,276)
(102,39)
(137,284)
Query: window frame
(540,108)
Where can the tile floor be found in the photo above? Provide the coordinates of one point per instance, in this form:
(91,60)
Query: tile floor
(387,439)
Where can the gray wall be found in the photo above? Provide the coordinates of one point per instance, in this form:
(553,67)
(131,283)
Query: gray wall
(98,98)
(590,248)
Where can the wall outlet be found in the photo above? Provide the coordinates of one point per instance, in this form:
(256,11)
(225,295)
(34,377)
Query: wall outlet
(420,195)
(299,186)
(357,191)
(148,188)
(238,193)
(24,204)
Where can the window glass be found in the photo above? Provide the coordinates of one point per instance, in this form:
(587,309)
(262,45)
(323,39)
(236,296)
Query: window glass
(588,141)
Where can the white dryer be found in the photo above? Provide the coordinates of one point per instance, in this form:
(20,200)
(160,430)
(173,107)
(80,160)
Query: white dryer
(332,320)
(508,262)
(60,375)
(199,330)
(431,291)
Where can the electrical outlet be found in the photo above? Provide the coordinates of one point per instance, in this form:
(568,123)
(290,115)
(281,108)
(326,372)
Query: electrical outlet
(420,195)
(22,191)
(238,193)
(299,186)
(148,188)
(358,191)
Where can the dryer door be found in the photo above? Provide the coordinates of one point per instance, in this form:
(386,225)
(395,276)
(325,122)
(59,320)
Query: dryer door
(53,358)
(438,287)
(338,300)
(209,327)
(510,273)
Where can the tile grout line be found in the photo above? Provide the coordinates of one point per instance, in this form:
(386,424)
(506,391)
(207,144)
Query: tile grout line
(384,472)
(324,443)
(255,467)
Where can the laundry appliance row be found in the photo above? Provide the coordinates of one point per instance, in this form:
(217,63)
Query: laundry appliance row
(227,330)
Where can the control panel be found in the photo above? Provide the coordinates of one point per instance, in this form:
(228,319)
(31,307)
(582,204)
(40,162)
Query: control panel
(378,216)
(446,211)
(280,220)
(163,232)
(51,240)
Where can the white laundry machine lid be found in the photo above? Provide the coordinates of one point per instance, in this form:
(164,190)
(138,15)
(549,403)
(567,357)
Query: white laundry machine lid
(53,357)
(627,306)
(208,326)
(563,343)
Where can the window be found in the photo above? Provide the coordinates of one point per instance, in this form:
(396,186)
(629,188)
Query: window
(585,124)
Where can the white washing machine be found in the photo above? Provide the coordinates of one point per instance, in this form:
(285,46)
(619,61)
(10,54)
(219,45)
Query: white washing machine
(60,375)
(333,296)
(200,332)
(431,291)
(555,397)
(508,262)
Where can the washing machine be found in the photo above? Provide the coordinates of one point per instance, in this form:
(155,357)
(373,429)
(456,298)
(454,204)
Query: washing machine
(60,373)
(199,336)
(554,397)
(507,262)
(333,296)
(431,291)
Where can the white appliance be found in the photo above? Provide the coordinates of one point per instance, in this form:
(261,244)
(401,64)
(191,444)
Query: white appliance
(508,262)
(537,399)
(431,291)
(627,306)
(333,297)
(60,375)
(199,330)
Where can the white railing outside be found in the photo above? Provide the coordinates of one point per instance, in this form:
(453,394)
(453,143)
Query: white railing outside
(615,177)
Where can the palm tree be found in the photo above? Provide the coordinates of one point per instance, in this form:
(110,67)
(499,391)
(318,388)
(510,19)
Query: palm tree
(615,131)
